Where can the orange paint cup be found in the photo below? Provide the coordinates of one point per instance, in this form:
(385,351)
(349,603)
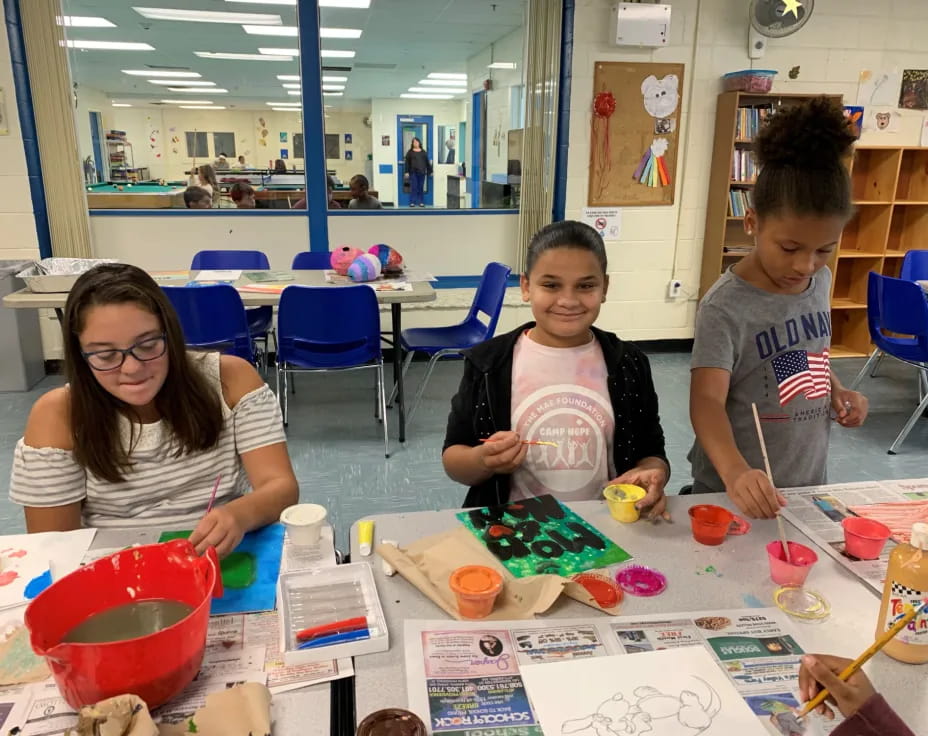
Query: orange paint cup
(476,588)
(711,524)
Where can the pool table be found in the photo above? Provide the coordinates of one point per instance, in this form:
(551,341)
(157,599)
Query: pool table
(138,196)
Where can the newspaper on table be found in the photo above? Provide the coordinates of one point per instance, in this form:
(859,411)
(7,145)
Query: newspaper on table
(463,677)
(817,511)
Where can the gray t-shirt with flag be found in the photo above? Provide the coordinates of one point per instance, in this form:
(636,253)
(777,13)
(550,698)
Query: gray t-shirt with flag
(776,348)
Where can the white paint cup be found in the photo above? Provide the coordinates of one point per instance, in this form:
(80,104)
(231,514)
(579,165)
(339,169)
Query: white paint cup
(304,523)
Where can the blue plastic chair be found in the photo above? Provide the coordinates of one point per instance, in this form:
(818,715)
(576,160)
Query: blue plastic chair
(444,342)
(213,318)
(349,342)
(898,307)
(260,319)
(310,260)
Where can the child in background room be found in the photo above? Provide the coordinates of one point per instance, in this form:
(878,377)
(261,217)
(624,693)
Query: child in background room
(559,380)
(198,198)
(360,199)
(243,194)
(763,330)
(279,166)
(204,176)
(867,713)
(241,163)
(142,428)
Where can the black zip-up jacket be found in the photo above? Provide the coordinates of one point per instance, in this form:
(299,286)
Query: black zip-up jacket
(482,405)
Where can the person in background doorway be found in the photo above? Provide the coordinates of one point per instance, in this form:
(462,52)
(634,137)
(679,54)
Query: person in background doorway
(221,163)
(241,162)
(197,198)
(243,194)
(360,199)
(280,167)
(204,176)
(418,166)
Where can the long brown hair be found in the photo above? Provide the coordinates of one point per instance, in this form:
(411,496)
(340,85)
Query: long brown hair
(186,402)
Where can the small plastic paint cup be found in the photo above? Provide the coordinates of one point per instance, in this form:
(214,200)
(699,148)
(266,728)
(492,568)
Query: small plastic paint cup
(790,573)
(621,499)
(476,588)
(392,721)
(864,538)
(711,524)
(304,523)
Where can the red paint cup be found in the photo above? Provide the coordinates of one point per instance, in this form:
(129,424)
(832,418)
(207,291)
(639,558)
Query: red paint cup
(864,538)
(711,524)
(794,572)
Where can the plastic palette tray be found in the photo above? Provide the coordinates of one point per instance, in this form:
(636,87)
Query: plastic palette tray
(317,597)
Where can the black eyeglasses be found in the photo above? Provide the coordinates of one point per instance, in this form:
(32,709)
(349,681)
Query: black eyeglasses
(112,358)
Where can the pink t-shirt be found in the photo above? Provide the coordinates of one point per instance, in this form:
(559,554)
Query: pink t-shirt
(561,395)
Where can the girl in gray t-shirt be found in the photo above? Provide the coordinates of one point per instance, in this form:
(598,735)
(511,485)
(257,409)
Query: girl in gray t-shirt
(763,331)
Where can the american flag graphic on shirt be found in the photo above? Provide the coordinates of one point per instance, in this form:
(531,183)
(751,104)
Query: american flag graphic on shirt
(798,372)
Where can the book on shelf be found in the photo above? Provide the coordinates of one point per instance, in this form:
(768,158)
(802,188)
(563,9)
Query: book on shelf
(735,250)
(739,202)
(743,168)
(750,120)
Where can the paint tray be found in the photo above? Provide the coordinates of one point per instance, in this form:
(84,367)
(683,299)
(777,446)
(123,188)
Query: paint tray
(323,596)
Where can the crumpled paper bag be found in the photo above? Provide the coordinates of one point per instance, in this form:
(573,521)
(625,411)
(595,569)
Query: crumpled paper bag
(428,563)
(243,710)
(123,715)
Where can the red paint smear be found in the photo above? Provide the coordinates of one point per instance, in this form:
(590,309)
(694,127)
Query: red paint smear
(8,577)
(18,553)
(498,530)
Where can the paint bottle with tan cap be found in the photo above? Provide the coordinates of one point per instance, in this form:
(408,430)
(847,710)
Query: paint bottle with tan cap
(907,584)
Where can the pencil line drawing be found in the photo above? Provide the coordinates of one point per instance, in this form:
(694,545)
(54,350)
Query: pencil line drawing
(651,712)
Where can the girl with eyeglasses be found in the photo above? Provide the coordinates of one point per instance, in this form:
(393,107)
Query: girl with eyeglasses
(142,429)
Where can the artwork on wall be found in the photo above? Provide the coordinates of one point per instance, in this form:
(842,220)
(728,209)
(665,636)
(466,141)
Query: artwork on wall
(347,138)
(348,156)
(913,95)
(384,140)
(635,131)
(879,87)
(855,116)
(284,153)
(283,137)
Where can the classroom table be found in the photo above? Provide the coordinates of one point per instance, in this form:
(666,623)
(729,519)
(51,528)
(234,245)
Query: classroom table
(136,196)
(380,679)
(422,291)
(344,195)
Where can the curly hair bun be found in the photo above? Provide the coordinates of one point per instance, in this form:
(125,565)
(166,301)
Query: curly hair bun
(811,135)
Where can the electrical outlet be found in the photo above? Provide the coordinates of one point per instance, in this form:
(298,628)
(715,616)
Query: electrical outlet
(674,289)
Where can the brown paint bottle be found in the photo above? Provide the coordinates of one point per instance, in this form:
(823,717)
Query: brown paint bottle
(907,584)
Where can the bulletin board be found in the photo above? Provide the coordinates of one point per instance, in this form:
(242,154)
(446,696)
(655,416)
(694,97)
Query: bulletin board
(635,133)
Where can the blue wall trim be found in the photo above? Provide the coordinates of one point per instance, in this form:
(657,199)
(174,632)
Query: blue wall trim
(563,111)
(317,198)
(14,32)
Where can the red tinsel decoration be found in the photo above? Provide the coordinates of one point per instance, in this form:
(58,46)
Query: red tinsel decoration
(603,107)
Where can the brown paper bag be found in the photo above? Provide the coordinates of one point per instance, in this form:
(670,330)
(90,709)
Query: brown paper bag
(244,710)
(428,563)
(123,715)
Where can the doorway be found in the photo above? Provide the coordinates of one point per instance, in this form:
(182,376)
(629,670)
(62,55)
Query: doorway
(96,137)
(407,128)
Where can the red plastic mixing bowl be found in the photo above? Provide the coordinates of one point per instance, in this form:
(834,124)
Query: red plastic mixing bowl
(154,667)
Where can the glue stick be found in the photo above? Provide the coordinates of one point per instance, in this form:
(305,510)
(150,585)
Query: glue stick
(365,537)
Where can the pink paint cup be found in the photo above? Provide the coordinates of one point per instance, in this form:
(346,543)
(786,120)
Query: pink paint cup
(864,538)
(786,573)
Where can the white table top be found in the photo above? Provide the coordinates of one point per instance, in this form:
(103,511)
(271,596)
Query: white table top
(380,679)
(422,291)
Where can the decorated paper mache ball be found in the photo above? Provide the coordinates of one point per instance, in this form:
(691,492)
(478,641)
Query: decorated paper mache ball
(390,259)
(365,267)
(343,257)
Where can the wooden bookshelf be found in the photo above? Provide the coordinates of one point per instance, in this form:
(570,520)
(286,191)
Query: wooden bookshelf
(890,192)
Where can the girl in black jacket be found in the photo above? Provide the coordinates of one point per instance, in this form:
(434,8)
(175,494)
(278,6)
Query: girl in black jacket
(557,406)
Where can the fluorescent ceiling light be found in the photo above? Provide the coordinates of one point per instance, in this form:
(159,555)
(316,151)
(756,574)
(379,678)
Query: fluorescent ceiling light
(339,32)
(187,102)
(437,90)
(357,4)
(110,46)
(264,2)
(281,104)
(291,85)
(294,92)
(183,82)
(202,107)
(333,94)
(336,54)
(289,77)
(279,52)
(208,16)
(121,104)
(333,87)
(444,82)
(151,73)
(271,30)
(240,57)
(502,65)
(287,109)
(84,21)
(417,96)
(327,78)
(199,91)
(445,75)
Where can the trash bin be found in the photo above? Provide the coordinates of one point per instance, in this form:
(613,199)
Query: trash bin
(22,363)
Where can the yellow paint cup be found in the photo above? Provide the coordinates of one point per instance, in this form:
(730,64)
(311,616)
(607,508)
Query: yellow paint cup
(621,499)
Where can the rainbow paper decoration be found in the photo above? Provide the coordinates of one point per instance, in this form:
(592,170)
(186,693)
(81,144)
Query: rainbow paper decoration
(652,169)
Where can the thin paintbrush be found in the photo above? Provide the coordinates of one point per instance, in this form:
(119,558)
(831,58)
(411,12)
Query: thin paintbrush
(763,449)
(212,496)
(525,442)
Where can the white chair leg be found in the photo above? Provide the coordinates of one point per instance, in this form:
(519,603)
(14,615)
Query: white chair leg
(377,391)
(425,380)
(286,397)
(382,395)
(916,415)
(876,367)
(407,361)
(872,362)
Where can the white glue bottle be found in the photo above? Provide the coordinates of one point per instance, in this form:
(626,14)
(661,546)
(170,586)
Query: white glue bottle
(907,584)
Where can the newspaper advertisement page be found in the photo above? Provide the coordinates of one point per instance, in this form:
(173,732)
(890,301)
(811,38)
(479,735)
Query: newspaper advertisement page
(464,679)
(818,511)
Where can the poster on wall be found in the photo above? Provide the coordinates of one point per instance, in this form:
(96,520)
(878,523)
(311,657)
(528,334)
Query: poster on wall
(384,140)
(635,133)
(347,138)
(284,153)
(913,95)
(348,156)
(855,117)
(283,137)
(607,221)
